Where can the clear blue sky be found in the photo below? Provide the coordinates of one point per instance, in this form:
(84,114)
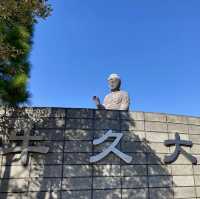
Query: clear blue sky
(153,45)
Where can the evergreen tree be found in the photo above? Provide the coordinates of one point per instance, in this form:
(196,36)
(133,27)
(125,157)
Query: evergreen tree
(17,19)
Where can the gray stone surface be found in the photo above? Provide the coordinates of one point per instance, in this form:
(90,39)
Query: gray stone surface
(65,172)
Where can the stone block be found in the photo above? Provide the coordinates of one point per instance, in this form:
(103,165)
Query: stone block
(135,193)
(127,146)
(138,158)
(127,125)
(193,129)
(177,119)
(13,195)
(109,159)
(44,195)
(182,170)
(113,193)
(134,135)
(106,183)
(76,194)
(195,149)
(14,172)
(157,148)
(107,114)
(106,170)
(156,126)
(133,170)
(80,113)
(183,181)
(78,134)
(155,117)
(197,180)
(106,124)
(134,182)
(196,169)
(158,193)
(197,189)
(160,181)
(13,185)
(46,159)
(100,133)
(194,120)
(157,159)
(77,158)
(78,146)
(35,112)
(133,116)
(54,146)
(159,170)
(194,138)
(50,123)
(184,192)
(50,134)
(76,184)
(45,184)
(177,128)
(77,170)
(79,124)
(19,123)
(50,171)
(156,136)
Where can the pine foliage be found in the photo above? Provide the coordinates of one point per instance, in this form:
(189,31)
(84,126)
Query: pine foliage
(17,19)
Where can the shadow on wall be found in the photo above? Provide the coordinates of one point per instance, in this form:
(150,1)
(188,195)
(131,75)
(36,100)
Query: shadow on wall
(18,181)
(65,172)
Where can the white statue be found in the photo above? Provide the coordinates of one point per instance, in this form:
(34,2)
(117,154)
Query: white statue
(116,99)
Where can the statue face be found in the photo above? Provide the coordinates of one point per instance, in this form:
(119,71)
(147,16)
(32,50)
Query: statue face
(114,83)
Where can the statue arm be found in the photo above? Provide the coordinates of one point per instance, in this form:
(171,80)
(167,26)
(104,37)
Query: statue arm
(97,103)
(125,102)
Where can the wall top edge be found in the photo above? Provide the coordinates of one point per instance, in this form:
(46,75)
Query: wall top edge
(92,109)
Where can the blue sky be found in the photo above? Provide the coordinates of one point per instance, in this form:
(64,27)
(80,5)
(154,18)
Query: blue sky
(153,45)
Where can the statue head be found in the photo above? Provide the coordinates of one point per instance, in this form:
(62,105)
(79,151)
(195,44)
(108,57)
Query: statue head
(114,82)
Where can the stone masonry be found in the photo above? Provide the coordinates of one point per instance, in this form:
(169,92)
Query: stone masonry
(65,171)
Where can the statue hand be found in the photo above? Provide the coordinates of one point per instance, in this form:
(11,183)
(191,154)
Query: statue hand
(96,100)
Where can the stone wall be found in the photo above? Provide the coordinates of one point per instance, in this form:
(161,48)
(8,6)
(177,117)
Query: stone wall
(65,171)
